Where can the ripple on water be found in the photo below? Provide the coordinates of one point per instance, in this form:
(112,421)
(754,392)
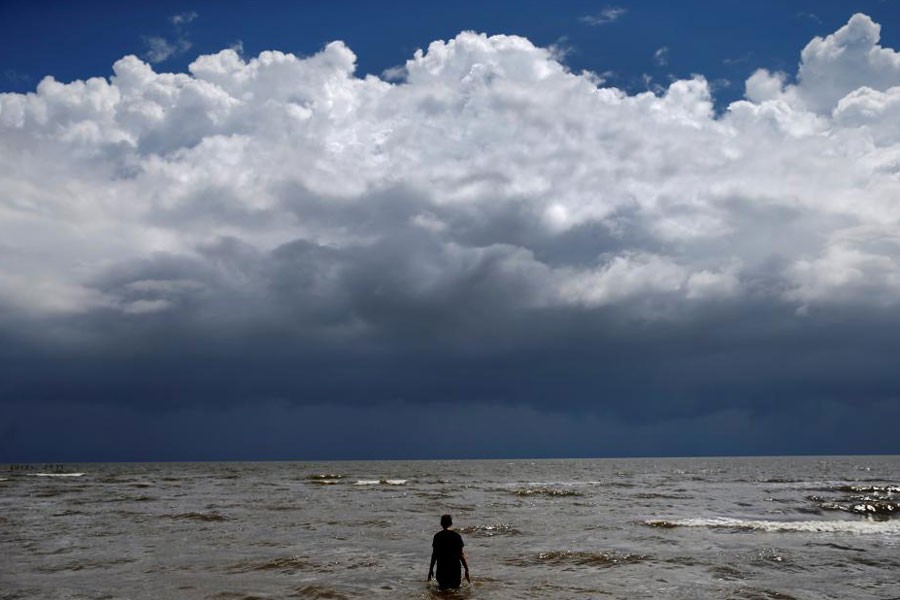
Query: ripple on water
(317,591)
(80,565)
(490,530)
(578,558)
(282,564)
(835,546)
(727,573)
(199,516)
(760,594)
(661,496)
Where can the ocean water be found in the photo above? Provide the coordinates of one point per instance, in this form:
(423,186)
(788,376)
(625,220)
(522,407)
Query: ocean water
(743,528)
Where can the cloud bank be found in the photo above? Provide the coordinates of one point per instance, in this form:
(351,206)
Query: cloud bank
(490,228)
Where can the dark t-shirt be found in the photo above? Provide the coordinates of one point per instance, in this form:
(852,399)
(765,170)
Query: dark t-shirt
(447,547)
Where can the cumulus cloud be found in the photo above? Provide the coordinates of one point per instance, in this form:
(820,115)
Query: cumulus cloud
(482,197)
(832,67)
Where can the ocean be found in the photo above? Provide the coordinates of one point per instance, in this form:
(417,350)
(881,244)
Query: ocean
(743,528)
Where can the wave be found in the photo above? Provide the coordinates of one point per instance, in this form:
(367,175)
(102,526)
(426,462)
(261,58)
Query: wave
(852,527)
(198,516)
(66,513)
(661,496)
(325,478)
(55,474)
(567,483)
(878,501)
(381,482)
(285,564)
(544,491)
(580,558)
(869,489)
(868,507)
(489,530)
(232,595)
(79,565)
(318,591)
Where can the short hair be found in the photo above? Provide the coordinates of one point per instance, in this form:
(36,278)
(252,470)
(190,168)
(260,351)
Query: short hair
(446,521)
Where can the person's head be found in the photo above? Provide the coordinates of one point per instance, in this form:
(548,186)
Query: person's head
(446,521)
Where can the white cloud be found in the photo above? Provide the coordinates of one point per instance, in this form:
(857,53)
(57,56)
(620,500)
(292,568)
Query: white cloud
(183,18)
(488,172)
(661,56)
(832,67)
(610,14)
(161,49)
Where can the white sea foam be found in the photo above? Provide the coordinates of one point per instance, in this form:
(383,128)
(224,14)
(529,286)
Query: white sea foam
(55,474)
(853,527)
(562,483)
(4,478)
(381,482)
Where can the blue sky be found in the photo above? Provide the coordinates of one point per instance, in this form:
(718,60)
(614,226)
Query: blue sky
(724,41)
(389,230)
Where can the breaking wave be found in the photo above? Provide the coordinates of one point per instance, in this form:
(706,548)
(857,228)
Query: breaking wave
(325,478)
(544,491)
(875,501)
(55,474)
(851,527)
(870,489)
(381,482)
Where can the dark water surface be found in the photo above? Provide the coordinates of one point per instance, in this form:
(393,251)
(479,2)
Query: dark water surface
(743,528)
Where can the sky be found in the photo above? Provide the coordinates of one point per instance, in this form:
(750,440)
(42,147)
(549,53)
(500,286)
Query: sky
(308,230)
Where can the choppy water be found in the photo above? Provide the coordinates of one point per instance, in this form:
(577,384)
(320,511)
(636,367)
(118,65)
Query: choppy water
(762,528)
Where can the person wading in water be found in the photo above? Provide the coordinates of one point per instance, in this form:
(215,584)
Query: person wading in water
(447,552)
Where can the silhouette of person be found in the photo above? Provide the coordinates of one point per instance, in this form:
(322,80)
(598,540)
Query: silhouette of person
(447,552)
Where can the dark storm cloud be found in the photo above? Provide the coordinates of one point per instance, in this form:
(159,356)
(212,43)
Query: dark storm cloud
(278,241)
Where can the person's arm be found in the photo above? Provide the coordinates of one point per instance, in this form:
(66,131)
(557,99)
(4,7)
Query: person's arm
(431,566)
(462,559)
